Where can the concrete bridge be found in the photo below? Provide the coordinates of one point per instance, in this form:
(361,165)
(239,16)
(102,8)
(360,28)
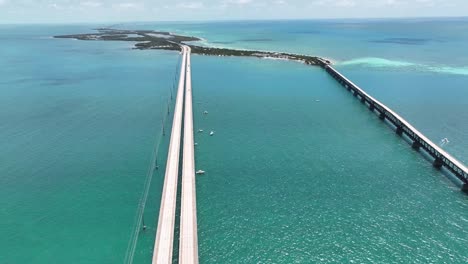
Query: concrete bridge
(441,159)
(163,247)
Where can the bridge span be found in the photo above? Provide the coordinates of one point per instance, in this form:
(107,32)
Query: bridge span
(188,247)
(163,245)
(402,127)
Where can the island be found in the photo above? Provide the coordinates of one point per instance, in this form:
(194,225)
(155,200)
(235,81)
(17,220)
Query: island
(150,39)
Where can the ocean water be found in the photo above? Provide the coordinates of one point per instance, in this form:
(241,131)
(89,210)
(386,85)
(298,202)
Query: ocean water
(297,172)
(423,59)
(293,180)
(78,124)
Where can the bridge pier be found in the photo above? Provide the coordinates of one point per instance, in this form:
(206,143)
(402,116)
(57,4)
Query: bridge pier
(465,188)
(438,163)
(372,107)
(399,130)
(382,116)
(416,145)
(363,99)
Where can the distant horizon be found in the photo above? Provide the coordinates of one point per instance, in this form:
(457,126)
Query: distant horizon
(109,11)
(241,20)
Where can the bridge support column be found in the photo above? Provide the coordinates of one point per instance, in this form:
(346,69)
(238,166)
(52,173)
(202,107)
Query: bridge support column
(371,107)
(399,130)
(465,187)
(438,163)
(363,99)
(416,145)
(382,116)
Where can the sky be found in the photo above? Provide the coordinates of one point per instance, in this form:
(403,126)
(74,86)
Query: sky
(71,11)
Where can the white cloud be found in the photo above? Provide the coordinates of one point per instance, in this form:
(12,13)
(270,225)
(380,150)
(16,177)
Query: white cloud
(109,10)
(191,5)
(90,4)
(339,3)
(127,5)
(426,2)
(345,3)
(55,6)
(239,2)
(397,2)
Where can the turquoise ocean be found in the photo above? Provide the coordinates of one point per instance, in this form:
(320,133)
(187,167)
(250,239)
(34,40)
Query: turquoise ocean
(298,171)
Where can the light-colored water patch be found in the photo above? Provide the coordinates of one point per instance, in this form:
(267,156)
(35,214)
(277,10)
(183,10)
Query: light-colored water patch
(377,62)
(449,70)
(160,35)
(133,36)
(373,62)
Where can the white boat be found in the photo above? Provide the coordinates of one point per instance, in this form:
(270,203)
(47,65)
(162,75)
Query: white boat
(200,172)
(444,142)
(205,113)
(212,133)
(196,144)
(200,130)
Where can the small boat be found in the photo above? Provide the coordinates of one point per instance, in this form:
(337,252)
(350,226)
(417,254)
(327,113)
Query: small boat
(196,144)
(205,113)
(317,100)
(200,130)
(444,142)
(212,133)
(200,172)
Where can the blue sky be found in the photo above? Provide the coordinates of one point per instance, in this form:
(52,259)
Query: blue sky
(25,11)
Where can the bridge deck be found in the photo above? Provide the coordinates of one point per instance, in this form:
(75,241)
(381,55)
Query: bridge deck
(442,158)
(188,250)
(163,246)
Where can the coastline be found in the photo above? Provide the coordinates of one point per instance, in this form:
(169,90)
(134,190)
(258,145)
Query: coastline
(149,39)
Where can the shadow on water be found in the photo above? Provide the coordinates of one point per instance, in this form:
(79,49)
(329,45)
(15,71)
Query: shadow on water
(404,41)
(256,40)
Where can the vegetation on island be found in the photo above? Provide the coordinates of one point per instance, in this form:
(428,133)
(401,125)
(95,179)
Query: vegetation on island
(150,39)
